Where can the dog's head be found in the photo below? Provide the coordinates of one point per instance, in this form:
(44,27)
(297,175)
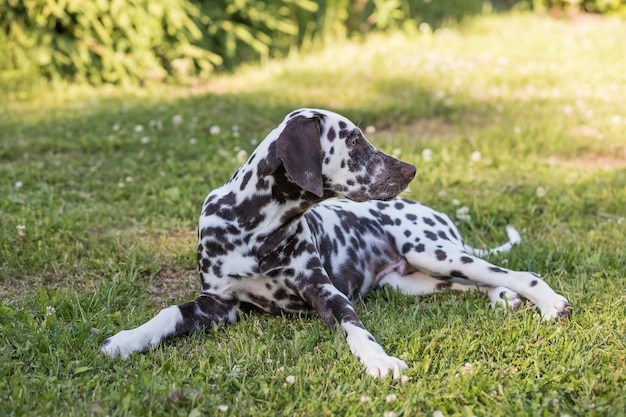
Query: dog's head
(326,154)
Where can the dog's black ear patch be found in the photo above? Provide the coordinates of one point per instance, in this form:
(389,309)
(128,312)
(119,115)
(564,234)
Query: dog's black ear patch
(300,150)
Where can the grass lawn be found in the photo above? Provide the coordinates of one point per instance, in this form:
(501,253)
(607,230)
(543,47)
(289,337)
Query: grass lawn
(520,119)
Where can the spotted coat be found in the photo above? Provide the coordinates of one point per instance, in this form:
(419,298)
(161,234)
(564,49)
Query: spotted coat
(273,239)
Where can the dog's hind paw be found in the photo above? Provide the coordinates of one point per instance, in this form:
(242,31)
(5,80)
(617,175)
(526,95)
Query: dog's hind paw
(560,309)
(504,299)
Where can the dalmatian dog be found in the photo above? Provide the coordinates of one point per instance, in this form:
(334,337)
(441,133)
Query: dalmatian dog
(273,239)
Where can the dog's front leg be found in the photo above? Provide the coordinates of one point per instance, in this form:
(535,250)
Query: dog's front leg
(173,321)
(335,307)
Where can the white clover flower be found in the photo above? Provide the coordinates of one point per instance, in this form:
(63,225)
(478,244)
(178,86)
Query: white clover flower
(241,156)
(19,184)
(156,124)
(568,110)
(138,128)
(50,311)
(391,398)
(463,214)
(438,413)
(215,130)
(234,128)
(366,398)
(116,127)
(290,379)
(404,380)
(476,156)
(222,408)
(541,192)
(193,141)
(456,202)
(466,369)
(128,179)
(616,119)
(177,119)
(389,414)
(121,185)
(396,152)
(145,139)
(427,155)
(425,27)
(370,130)
(20,230)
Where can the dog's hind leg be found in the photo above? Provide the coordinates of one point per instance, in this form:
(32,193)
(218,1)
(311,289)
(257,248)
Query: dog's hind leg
(199,314)
(448,260)
(419,283)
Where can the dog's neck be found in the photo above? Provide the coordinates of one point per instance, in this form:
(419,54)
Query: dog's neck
(260,200)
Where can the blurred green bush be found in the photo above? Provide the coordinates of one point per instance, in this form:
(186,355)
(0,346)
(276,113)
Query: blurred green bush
(617,7)
(133,41)
(99,41)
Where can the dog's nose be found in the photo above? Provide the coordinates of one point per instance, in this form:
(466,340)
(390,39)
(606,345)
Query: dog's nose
(407,170)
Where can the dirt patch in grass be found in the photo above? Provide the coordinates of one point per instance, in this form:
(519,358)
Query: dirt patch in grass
(174,284)
(170,253)
(175,281)
(590,162)
(420,129)
(15,290)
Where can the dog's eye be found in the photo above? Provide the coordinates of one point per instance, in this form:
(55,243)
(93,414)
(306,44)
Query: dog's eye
(353,140)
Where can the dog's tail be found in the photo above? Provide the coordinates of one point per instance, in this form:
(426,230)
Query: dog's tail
(514,239)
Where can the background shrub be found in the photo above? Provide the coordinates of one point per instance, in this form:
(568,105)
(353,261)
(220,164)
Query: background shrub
(592,6)
(131,41)
(99,41)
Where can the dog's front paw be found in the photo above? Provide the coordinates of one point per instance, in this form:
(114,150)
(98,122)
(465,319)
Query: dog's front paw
(560,308)
(383,366)
(127,342)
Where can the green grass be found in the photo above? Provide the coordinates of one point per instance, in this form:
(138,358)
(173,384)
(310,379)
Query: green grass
(109,213)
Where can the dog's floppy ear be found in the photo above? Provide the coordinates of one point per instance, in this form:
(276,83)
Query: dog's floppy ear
(300,150)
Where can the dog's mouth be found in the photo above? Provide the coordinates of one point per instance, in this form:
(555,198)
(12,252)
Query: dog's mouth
(383,192)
